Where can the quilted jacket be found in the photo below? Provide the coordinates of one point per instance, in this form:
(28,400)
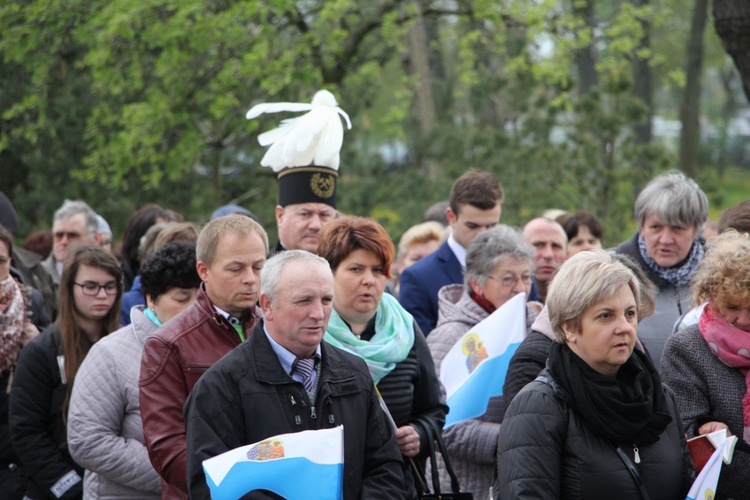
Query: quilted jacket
(105,432)
(472,444)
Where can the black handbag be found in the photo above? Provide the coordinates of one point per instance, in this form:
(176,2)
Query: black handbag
(435,440)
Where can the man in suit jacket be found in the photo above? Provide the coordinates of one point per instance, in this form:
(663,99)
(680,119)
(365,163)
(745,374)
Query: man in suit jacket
(476,202)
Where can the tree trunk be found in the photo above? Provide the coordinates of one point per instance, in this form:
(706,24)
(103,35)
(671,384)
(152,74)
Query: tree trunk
(690,135)
(586,56)
(732,22)
(727,75)
(424,98)
(643,90)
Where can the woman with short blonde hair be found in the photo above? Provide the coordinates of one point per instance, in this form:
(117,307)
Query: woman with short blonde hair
(597,422)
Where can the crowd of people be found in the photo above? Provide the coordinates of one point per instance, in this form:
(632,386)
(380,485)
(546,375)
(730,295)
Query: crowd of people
(126,362)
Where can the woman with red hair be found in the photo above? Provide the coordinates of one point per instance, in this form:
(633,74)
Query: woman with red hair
(374,326)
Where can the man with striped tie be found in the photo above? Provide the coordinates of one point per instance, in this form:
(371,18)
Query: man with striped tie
(285,379)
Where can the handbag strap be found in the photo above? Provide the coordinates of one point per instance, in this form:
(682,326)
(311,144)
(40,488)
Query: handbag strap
(633,472)
(419,476)
(437,434)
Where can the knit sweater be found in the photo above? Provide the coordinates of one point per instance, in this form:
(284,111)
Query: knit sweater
(706,389)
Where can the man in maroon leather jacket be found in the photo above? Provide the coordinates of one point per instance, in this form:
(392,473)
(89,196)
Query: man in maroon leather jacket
(231,251)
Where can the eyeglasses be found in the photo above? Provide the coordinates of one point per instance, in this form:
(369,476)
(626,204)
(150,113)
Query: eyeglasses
(509,281)
(71,235)
(93,288)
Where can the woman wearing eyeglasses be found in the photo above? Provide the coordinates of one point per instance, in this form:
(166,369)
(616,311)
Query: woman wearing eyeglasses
(498,267)
(89,303)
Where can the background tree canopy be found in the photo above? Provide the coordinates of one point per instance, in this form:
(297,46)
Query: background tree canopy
(125,102)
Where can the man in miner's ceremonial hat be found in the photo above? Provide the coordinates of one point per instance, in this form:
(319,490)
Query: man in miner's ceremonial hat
(304,153)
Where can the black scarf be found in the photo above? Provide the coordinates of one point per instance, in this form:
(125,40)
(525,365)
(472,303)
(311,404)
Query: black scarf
(629,408)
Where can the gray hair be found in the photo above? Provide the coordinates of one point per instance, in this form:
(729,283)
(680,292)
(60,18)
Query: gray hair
(270,276)
(71,208)
(489,247)
(583,281)
(675,199)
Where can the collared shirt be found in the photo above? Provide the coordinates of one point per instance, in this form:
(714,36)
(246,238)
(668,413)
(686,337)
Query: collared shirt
(236,324)
(458,250)
(287,359)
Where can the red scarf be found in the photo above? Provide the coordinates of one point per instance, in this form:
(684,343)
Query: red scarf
(482,302)
(732,346)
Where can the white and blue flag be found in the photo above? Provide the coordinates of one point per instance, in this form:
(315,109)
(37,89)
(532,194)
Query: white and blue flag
(308,464)
(474,369)
(705,484)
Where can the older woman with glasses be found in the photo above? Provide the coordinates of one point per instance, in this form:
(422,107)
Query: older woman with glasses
(90,294)
(498,267)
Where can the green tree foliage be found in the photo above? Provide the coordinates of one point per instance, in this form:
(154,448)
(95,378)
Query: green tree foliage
(123,102)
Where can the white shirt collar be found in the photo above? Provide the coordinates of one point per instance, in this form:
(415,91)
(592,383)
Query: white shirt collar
(458,250)
(232,320)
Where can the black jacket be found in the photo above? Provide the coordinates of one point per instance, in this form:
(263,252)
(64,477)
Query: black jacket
(546,450)
(36,276)
(527,362)
(247,397)
(411,391)
(36,423)
(36,307)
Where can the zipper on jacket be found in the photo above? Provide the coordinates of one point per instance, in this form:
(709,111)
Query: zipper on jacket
(294,403)
(331,417)
(303,404)
(636,455)
(312,412)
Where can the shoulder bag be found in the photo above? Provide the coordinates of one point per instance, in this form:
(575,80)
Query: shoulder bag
(435,440)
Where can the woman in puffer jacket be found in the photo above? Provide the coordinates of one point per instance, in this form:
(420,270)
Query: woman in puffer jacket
(597,422)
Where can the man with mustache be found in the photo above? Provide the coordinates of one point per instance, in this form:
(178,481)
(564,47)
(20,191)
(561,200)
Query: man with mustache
(307,200)
(299,225)
(231,252)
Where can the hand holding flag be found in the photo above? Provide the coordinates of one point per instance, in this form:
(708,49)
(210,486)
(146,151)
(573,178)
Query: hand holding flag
(706,482)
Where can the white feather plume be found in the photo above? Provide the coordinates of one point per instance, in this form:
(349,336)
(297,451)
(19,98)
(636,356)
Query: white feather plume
(315,137)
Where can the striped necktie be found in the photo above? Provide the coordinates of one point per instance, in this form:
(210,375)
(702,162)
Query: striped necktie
(305,367)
